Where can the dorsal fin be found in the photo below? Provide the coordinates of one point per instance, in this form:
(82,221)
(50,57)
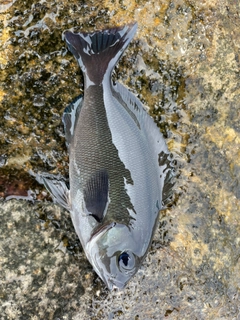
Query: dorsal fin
(96,194)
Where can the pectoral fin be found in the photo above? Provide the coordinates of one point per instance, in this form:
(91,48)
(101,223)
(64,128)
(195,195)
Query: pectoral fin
(96,194)
(58,190)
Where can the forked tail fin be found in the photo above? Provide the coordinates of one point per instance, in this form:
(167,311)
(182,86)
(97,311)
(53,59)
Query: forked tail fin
(98,52)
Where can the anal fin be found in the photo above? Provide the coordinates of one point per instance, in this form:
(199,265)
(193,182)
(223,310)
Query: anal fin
(70,117)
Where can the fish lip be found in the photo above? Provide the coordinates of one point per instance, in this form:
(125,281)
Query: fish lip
(112,283)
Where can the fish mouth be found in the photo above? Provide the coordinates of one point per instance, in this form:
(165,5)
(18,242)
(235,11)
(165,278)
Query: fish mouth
(110,281)
(114,284)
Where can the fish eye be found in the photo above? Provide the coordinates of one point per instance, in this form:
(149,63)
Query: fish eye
(124,257)
(126,261)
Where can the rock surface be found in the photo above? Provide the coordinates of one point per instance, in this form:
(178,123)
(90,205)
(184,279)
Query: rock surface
(184,65)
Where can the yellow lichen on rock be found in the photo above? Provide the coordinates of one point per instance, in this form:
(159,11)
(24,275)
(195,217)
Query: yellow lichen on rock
(5,53)
(227,138)
(184,243)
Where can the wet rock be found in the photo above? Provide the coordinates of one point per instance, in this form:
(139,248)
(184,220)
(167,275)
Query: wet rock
(184,65)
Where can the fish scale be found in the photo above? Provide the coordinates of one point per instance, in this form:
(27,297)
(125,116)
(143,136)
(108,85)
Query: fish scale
(93,126)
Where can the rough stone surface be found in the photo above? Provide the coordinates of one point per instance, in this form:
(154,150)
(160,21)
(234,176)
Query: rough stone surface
(184,65)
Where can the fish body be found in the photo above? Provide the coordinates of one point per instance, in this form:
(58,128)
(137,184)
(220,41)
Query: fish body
(117,172)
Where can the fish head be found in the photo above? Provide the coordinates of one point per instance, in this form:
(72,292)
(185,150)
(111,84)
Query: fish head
(113,253)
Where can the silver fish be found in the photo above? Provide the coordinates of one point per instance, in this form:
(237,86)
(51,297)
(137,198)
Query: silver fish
(119,172)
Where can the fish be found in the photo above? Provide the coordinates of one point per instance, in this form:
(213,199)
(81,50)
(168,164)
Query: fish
(119,165)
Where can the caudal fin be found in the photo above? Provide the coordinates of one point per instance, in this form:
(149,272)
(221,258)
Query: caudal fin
(98,52)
